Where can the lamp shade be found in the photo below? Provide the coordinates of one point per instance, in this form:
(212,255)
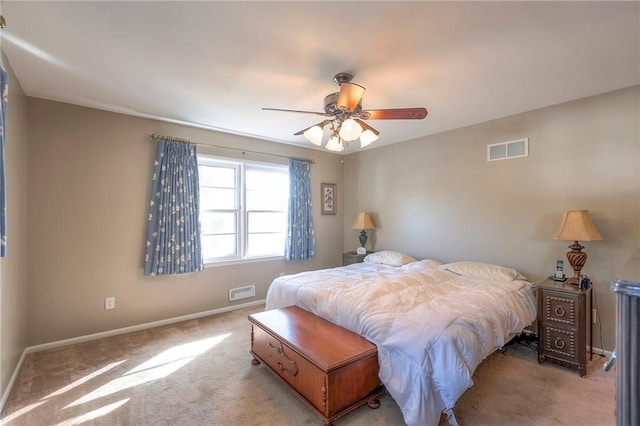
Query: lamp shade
(334,144)
(350,96)
(367,137)
(314,135)
(576,225)
(350,130)
(363,221)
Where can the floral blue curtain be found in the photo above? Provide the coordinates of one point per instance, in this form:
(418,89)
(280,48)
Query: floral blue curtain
(173,233)
(301,240)
(4,91)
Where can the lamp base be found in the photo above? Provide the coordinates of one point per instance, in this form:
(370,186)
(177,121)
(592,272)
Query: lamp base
(573,281)
(577,258)
(363,237)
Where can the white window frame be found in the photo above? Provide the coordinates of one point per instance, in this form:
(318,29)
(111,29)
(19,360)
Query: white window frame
(242,212)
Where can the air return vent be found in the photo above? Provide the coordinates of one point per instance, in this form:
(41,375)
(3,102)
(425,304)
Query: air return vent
(242,292)
(510,149)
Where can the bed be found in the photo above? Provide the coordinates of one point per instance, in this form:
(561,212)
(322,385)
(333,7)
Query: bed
(433,324)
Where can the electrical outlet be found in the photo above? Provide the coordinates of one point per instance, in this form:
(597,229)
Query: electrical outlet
(109,303)
(594,316)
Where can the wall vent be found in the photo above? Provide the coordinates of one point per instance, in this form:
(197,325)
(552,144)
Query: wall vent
(506,150)
(242,292)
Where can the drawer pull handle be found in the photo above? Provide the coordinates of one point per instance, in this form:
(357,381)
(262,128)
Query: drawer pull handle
(292,368)
(560,311)
(559,343)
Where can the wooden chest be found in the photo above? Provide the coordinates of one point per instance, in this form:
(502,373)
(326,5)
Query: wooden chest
(333,370)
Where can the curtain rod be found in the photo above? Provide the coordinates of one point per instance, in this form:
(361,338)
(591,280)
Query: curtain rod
(156,136)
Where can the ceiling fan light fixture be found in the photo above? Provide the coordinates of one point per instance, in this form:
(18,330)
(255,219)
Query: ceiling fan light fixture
(367,137)
(350,96)
(350,130)
(344,112)
(334,144)
(314,135)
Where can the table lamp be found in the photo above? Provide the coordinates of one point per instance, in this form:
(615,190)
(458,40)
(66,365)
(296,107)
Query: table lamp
(576,226)
(363,222)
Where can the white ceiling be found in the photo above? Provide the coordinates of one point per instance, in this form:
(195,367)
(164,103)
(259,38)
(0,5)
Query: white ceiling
(216,64)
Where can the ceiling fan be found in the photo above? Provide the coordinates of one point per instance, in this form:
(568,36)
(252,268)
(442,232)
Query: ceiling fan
(344,109)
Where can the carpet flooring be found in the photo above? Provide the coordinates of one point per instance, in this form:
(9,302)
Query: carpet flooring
(199,372)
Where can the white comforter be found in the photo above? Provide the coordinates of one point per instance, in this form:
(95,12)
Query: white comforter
(432,327)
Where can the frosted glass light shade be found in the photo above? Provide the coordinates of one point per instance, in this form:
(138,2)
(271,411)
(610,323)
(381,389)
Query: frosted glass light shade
(314,135)
(334,144)
(367,137)
(350,130)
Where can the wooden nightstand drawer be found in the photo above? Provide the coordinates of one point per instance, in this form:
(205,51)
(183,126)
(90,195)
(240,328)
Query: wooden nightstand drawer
(559,308)
(559,343)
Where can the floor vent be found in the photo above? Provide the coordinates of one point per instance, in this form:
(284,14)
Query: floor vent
(506,150)
(242,292)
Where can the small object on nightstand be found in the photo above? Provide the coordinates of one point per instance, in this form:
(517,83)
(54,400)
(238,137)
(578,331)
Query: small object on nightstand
(350,257)
(564,322)
(559,275)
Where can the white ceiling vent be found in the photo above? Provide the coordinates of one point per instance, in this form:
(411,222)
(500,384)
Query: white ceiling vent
(509,149)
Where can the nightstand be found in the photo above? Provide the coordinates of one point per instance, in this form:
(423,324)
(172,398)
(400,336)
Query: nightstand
(564,324)
(350,258)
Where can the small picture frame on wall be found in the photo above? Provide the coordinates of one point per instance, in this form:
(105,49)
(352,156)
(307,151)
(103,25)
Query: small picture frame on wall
(329,202)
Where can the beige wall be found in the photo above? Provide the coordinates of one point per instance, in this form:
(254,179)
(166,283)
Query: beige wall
(438,197)
(88,189)
(13,267)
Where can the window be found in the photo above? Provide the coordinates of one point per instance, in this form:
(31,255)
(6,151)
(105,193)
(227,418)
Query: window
(243,208)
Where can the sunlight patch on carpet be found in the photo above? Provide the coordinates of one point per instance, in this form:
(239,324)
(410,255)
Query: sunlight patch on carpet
(21,411)
(84,379)
(158,367)
(92,415)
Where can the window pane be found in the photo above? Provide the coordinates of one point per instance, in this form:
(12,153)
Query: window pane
(217,199)
(218,222)
(219,246)
(221,177)
(266,222)
(267,178)
(265,245)
(267,200)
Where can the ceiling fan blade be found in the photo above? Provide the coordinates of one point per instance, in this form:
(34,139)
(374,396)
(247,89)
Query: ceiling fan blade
(350,96)
(320,124)
(394,114)
(295,110)
(366,126)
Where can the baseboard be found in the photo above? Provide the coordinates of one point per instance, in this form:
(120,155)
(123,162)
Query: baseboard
(601,352)
(88,337)
(12,381)
(52,345)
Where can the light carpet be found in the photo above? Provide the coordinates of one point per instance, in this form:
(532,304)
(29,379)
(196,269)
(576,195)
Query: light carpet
(199,372)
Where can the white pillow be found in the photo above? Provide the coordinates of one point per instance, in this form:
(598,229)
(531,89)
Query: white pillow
(422,264)
(388,257)
(483,270)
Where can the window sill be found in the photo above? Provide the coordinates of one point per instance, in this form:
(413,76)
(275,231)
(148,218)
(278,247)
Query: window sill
(242,261)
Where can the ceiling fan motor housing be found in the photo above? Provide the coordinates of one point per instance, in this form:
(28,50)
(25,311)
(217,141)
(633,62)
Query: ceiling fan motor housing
(331,102)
